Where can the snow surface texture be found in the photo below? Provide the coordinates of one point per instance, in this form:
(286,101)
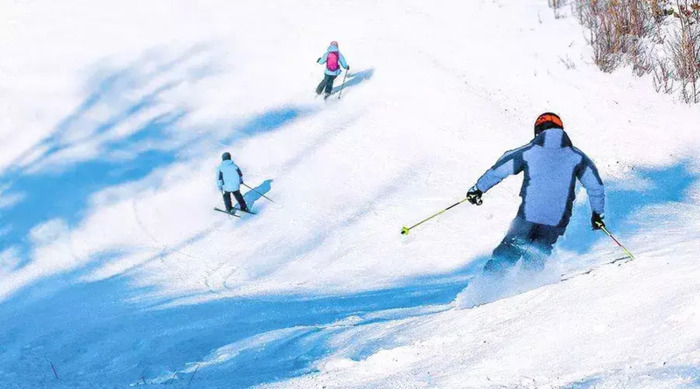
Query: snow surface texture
(115,271)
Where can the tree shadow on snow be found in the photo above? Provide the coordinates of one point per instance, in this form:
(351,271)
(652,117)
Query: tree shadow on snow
(104,333)
(656,186)
(120,133)
(123,132)
(266,122)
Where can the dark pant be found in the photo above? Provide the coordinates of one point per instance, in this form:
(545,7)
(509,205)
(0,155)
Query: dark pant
(326,83)
(239,197)
(530,241)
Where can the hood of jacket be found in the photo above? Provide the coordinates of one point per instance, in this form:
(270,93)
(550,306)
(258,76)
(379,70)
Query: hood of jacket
(227,162)
(554,138)
(332,48)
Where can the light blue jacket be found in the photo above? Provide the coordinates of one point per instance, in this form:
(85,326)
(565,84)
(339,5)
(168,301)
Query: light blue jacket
(228,176)
(341,61)
(551,166)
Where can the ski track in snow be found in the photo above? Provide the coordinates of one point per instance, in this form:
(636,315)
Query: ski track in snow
(115,272)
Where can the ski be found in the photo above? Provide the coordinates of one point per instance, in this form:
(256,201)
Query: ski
(618,261)
(248,212)
(228,213)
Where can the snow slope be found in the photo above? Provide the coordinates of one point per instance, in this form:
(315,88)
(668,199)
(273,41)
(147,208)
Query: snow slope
(116,272)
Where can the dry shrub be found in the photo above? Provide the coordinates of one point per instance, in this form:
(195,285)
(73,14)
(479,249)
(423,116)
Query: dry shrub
(638,32)
(663,76)
(685,49)
(557,6)
(658,10)
(616,29)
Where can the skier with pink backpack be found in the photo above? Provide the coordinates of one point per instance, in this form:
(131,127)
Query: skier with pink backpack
(334,63)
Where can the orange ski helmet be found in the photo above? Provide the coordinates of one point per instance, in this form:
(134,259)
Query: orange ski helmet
(546,121)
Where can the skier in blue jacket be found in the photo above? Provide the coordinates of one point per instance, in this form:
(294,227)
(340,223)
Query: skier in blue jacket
(229,179)
(334,62)
(551,166)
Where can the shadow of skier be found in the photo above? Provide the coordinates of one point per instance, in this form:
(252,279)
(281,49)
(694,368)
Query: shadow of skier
(354,79)
(256,193)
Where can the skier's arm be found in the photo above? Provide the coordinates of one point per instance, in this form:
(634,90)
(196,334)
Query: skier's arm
(342,62)
(219,179)
(589,177)
(240,174)
(323,58)
(510,163)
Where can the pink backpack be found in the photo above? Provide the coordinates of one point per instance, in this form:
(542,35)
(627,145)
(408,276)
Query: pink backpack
(332,61)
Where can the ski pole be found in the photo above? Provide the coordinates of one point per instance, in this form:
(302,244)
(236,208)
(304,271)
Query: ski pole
(246,185)
(616,241)
(342,85)
(405,230)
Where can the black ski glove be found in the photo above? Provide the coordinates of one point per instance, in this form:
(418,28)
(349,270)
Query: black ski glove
(347,68)
(597,221)
(474,196)
(319,59)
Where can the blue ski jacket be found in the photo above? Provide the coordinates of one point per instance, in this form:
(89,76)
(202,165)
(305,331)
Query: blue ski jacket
(341,61)
(551,165)
(228,176)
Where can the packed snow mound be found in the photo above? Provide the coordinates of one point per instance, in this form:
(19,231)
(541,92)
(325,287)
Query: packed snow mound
(116,271)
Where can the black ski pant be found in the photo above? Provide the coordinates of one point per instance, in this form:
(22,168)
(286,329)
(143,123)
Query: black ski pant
(239,197)
(326,83)
(530,241)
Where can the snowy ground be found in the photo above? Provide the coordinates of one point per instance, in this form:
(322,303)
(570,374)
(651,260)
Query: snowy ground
(115,272)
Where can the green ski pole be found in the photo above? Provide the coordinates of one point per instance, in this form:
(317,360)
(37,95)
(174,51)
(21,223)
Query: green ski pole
(629,254)
(406,230)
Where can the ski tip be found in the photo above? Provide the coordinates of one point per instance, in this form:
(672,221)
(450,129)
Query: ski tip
(404,231)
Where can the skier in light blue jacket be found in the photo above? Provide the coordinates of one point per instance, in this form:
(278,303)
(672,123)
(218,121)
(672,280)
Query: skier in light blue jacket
(334,62)
(551,165)
(229,179)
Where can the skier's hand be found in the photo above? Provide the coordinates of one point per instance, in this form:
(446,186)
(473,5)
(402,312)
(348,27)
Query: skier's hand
(474,196)
(347,68)
(597,221)
(318,60)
